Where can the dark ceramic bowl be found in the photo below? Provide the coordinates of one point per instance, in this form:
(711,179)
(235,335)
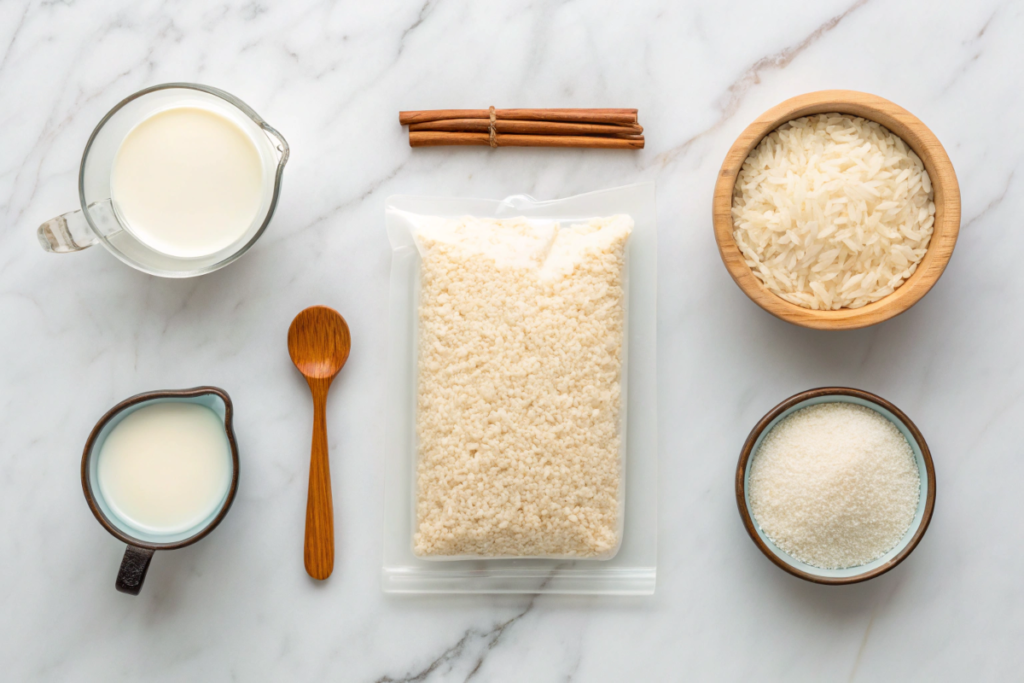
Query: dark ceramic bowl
(141,545)
(925,505)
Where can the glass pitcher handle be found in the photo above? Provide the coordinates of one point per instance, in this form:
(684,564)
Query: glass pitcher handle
(72,232)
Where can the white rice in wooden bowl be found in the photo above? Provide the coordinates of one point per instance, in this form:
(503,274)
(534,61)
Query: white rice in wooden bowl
(833,211)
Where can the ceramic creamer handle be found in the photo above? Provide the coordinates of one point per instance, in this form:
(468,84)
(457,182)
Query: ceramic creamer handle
(133,569)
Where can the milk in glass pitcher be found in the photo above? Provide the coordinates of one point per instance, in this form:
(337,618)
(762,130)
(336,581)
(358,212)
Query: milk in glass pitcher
(177,180)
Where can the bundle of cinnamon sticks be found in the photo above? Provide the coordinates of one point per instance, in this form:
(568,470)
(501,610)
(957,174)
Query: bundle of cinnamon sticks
(600,128)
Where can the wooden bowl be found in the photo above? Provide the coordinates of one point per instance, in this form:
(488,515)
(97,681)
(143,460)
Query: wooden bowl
(901,123)
(925,507)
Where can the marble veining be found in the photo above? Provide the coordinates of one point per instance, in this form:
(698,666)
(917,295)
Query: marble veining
(470,651)
(81,332)
(730,102)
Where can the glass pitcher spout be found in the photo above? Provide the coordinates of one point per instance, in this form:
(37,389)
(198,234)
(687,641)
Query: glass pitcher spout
(71,231)
(279,142)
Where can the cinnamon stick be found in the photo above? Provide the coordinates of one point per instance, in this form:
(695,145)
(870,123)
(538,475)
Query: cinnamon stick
(529,127)
(425,138)
(608,116)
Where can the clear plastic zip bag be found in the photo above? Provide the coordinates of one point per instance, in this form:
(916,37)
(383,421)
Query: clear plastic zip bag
(521,393)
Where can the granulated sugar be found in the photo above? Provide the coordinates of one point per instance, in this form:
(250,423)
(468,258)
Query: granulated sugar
(834,485)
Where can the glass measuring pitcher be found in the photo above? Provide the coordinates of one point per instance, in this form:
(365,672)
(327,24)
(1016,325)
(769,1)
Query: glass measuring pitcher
(100,219)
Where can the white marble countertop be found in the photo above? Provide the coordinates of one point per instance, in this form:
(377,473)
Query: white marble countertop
(80,332)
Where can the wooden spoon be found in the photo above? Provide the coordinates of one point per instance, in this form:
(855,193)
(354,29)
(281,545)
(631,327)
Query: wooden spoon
(319,342)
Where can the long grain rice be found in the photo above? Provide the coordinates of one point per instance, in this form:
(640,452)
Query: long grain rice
(833,211)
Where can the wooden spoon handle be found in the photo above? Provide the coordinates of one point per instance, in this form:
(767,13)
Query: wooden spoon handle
(319,548)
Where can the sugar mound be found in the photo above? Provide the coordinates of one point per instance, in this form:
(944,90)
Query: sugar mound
(834,485)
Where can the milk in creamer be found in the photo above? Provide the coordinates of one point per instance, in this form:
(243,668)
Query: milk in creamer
(166,467)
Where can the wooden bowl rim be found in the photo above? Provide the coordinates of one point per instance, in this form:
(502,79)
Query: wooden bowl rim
(901,123)
(747,452)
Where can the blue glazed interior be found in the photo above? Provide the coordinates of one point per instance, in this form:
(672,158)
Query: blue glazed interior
(211,401)
(918,515)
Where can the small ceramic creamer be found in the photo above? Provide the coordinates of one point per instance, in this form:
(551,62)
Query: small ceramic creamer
(160,471)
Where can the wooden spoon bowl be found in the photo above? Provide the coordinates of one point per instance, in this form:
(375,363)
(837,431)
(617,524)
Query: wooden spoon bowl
(901,123)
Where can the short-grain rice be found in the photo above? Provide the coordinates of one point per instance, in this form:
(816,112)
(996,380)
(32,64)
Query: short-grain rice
(520,358)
